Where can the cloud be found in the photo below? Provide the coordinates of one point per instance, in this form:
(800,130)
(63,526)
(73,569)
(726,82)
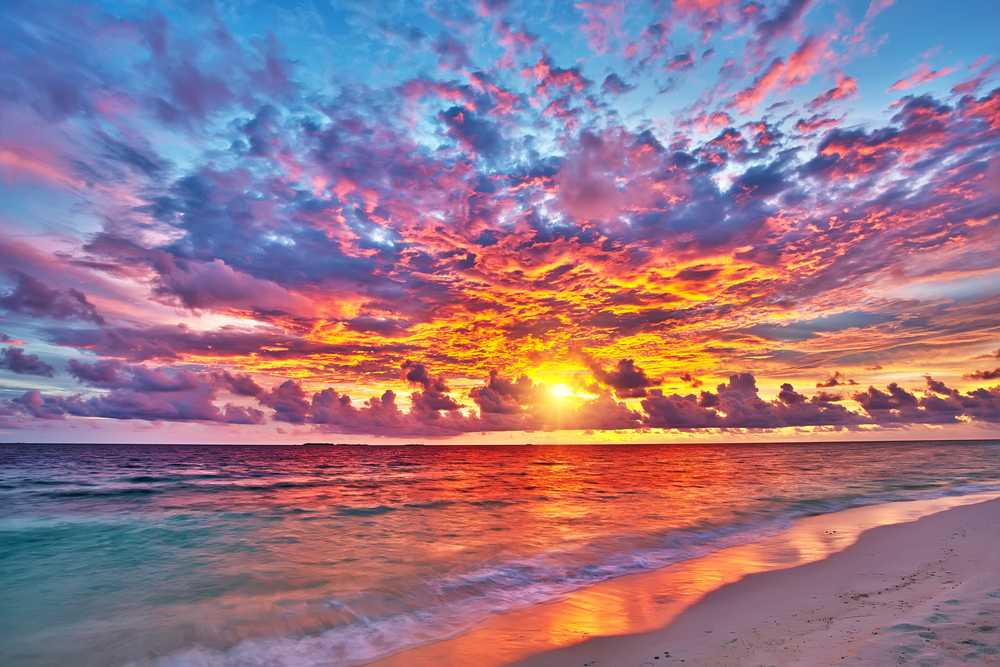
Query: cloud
(478,134)
(707,16)
(454,55)
(675,411)
(898,405)
(984,375)
(31,297)
(614,85)
(602,23)
(385,326)
(846,88)
(815,123)
(179,341)
(242,384)
(837,379)
(137,392)
(434,398)
(681,61)
(737,404)
(923,74)
(333,411)
(783,74)
(938,387)
(204,285)
(509,397)
(785,21)
(288,401)
(15,360)
(691,380)
(876,7)
(627,379)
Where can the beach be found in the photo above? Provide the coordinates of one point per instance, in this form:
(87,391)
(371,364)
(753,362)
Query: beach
(925,592)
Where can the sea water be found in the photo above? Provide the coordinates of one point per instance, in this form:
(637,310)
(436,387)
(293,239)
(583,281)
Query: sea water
(307,556)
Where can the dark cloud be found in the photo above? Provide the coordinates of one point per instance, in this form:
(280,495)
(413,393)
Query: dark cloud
(452,53)
(418,374)
(330,410)
(428,403)
(137,392)
(789,396)
(984,375)
(384,326)
(691,380)
(15,360)
(241,383)
(783,22)
(681,61)
(31,297)
(627,379)
(288,401)
(937,387)
(502,396)
(895,404)
(837,379)
(176,342)
(614,85)
(674,411)
(738,405)
(481,136)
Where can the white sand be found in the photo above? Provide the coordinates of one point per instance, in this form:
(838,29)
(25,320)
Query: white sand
(911,590)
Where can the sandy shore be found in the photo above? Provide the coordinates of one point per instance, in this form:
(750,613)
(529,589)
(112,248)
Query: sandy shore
(922,593)
(900,583)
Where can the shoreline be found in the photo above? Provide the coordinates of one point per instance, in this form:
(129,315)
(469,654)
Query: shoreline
(634,619)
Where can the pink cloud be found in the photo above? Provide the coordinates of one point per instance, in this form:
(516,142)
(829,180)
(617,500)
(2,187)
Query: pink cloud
(784,74)
(846,87)
(877,7)
(602,23)
(17,163)
(924,74)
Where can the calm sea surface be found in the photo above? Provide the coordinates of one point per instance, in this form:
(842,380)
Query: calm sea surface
(301,556)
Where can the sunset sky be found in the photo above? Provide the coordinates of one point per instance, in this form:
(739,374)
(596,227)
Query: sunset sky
(499,221)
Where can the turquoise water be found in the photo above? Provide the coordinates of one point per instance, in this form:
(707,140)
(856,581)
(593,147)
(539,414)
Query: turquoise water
(308,556)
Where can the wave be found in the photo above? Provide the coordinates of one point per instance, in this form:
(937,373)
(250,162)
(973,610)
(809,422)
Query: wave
(101,493)
(365,511)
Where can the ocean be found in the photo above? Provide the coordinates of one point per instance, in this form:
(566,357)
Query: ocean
(239,556)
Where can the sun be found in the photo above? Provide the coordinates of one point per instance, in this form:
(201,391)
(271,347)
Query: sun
(562,391)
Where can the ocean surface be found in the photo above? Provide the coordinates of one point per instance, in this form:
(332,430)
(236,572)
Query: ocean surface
(308,556)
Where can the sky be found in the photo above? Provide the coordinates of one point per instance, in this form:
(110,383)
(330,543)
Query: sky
(499,221)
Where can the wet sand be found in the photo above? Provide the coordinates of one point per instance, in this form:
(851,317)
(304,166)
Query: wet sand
(900,583)
(920,593)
